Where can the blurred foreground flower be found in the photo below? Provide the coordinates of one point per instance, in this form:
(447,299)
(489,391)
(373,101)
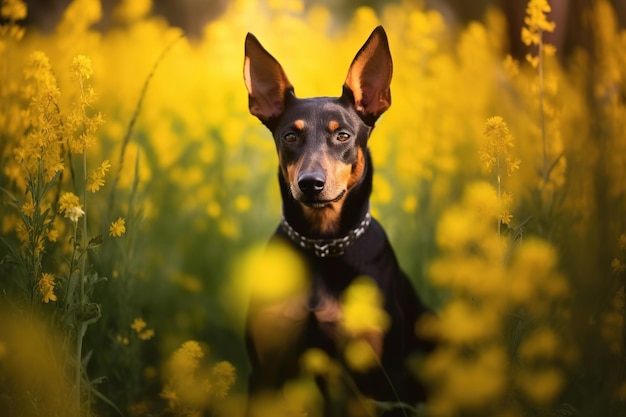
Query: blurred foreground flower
(192,388)
(13,10)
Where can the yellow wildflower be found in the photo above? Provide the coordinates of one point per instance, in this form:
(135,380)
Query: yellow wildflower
(96,178)
(617,266)
(535,23)
(28,209)
(122,340)
(495,152)
(315,361)
(541,344)
(69,205)
(40,150)
(541,386)
(129,10)
(13,10)
(621,241)
(146,334)
(242,203)
(222,379)
(81,67)
(52,235)
(46,287)
(362,308)
(360,355)
(68,201)
(187,358)
(168,393)
(118,228)
(138,325)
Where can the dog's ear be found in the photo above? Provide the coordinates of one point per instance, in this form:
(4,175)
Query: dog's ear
(265,80)
(369,77)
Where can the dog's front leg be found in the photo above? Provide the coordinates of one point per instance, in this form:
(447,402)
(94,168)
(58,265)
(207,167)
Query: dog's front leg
(275,334)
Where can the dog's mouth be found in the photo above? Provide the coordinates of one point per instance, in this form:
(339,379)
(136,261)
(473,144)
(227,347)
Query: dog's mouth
(319,203)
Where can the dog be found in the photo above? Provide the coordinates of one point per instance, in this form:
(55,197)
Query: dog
(325,178)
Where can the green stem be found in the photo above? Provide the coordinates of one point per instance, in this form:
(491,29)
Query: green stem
(541,109)
(393,388)
(81,327)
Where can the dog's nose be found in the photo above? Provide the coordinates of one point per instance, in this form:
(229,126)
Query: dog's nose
(312,182)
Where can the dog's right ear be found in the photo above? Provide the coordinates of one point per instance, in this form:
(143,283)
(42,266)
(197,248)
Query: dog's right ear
(265,80)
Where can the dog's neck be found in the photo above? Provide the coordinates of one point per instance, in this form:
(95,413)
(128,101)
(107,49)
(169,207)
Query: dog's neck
(353,210)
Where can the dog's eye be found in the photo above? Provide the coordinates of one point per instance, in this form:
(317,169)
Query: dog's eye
(343,136)
(290,137)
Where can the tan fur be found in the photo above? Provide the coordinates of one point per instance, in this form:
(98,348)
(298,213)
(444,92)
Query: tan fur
(342,177)
(299,124)
(333,125)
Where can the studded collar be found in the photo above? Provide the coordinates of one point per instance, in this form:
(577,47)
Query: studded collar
(324,248)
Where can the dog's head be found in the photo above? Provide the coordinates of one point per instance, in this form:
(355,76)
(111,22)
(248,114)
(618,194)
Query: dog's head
(321,141)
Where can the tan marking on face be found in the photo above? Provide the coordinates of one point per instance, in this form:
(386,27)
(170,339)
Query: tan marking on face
(290,172)
(299,124)
(341,177)
(333,125)
(359,167)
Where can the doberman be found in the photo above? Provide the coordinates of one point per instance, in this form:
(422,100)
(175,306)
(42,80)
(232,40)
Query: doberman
(325,176)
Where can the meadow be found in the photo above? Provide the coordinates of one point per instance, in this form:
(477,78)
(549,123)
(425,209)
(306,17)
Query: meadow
(136,192)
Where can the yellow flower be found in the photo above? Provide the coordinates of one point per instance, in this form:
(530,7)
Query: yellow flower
(13,10)
(129,10)
(362,308)
(96,178)
(222,378)
(541,386)
(146,334)
(315,361)
(536,22)
(242,203)
(360,355)
(46,287)
(28,209)
(168,393)
(621,241)
(81,67)
(495,152)
(118,228)
(122,340)
(69,205)
(138,325)
(52,235)
(617,266)
(541,344)
(187,358)
(67,202)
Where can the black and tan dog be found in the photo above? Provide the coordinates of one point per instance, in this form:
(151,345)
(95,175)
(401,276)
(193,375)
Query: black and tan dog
(325,177)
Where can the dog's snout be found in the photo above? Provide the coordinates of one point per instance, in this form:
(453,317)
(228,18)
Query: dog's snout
(312,182)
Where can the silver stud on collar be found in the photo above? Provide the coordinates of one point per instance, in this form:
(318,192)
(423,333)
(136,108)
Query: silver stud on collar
(323,248)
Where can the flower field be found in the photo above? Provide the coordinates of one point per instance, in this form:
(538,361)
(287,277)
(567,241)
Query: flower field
(136,192)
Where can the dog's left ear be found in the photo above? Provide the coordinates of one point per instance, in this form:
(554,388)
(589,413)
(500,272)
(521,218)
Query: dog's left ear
(369,77)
